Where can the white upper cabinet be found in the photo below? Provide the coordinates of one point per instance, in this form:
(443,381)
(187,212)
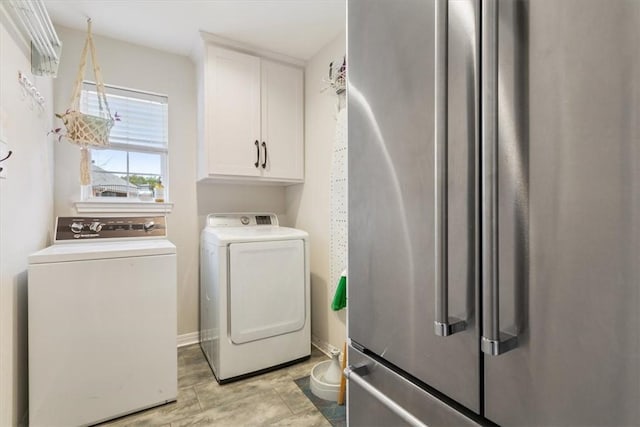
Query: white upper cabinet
(282,121)
(232,112)
(250,118)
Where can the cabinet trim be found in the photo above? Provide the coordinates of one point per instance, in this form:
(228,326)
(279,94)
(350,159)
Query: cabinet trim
(258,180)
(212,39)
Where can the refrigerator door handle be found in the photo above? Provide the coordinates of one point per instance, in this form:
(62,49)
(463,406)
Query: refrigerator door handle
(355,374)
(443,324)
(493,342)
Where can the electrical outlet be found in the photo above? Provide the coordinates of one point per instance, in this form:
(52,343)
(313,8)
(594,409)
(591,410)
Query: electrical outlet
(4,152)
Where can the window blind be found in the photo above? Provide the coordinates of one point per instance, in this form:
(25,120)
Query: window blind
(143,117)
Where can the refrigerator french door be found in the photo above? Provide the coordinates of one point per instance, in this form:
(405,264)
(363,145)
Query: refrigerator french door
(494,212)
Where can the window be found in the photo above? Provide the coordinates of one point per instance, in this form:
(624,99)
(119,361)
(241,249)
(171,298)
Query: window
(137,156)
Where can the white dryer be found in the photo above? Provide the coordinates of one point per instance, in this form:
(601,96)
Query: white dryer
(254,295)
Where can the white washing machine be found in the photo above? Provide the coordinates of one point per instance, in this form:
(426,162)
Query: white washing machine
(102,321)
(254,295)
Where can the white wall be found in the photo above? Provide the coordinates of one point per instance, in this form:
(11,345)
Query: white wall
(133,66)
(240,198)
(26,211)
(308,204)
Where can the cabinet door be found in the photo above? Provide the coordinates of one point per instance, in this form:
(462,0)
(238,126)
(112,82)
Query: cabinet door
(282,122)
(234,114)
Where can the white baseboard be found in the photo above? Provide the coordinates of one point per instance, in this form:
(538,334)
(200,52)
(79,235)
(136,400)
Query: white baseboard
(188,339)
(323,346)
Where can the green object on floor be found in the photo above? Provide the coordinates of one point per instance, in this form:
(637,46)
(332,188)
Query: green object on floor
(340,297)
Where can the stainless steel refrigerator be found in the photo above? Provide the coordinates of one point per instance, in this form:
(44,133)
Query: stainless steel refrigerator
(494,212)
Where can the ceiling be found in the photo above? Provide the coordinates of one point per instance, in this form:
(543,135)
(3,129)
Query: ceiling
(297,28)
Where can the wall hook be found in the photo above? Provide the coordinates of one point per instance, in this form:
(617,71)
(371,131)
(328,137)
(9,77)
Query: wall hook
(6,157)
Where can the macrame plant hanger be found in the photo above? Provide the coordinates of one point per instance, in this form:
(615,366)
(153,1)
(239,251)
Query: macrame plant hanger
(87,130)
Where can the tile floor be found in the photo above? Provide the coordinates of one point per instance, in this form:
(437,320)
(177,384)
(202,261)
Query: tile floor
(271,399)
(336,414)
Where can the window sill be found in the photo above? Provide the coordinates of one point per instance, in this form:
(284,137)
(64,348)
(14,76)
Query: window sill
(122,207)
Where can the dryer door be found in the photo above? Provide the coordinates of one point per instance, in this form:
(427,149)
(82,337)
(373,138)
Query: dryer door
(266,289)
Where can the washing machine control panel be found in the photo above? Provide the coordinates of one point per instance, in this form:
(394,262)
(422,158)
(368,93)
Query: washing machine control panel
(91,228)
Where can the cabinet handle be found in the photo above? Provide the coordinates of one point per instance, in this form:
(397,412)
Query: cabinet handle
(257,154)
(264,164)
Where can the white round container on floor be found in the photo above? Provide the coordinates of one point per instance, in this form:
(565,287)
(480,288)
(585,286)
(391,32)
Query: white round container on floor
(325,378)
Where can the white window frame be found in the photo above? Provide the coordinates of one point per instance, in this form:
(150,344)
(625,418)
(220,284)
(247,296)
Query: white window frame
(131,204)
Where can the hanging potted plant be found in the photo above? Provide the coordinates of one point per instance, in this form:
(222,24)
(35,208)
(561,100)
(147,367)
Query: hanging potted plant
(82,129)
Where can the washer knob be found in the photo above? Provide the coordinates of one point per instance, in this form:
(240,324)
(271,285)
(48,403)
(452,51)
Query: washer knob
(245,220)
(76,227)
(96,226)
(149,225)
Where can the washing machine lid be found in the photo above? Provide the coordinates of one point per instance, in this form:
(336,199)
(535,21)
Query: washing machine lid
(95,250)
